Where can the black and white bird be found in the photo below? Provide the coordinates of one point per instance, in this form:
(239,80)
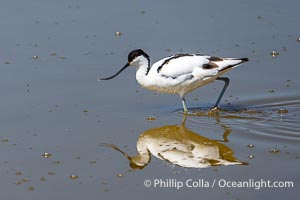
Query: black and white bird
(180,73)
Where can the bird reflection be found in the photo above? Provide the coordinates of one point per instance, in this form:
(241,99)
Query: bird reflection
(180,146)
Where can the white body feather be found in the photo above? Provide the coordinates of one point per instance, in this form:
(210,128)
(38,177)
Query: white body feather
(181,75)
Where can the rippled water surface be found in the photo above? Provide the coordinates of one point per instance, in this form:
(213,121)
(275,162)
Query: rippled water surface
(65,135)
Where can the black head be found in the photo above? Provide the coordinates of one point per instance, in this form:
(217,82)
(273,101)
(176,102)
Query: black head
(135,53)
(131,56)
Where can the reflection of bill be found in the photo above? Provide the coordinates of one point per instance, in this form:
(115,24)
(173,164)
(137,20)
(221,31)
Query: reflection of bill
(180,146)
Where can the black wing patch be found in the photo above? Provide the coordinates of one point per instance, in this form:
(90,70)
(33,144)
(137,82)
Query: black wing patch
(171,58)
(210,65)
(214,59)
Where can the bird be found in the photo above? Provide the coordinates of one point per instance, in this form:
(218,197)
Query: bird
(180,73)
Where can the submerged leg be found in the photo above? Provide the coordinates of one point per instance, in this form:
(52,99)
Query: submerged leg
(184,104)
(226,83)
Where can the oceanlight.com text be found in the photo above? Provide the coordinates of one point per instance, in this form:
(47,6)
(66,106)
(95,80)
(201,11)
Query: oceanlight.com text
(217,183)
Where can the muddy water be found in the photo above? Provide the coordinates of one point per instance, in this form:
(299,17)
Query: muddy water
(66,135)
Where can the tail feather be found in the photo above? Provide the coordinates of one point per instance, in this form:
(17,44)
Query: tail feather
(243,59)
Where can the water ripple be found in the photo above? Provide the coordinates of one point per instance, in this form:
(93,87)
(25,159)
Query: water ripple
(278,119)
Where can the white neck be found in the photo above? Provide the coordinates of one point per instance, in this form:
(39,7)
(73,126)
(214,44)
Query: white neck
(142,70)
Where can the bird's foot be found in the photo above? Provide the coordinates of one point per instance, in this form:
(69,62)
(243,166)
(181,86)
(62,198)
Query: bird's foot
(185,112)
(214,110)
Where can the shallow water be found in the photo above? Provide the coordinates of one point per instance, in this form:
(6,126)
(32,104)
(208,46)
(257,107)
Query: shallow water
(64,134)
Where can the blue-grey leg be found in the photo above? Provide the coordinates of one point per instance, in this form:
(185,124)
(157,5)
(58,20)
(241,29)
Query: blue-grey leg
(226,83)
(184,104)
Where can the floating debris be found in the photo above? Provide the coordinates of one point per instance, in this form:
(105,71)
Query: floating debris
(46,155)
(168,50)
(298,39)
(271,90)
(288,83)
(93,161)
(282,111)
(251,156)
(250,146)
(43,179)
(35,57)
(6,62)
(151,118)
(274,53)
(18,173)
(30,188)
(118,34)
(53,54)
(18,182)
(120,175)
(73,176)
(4,140)
(25,180)
(63,57)
(85,111)
(274,151)
(51,173)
